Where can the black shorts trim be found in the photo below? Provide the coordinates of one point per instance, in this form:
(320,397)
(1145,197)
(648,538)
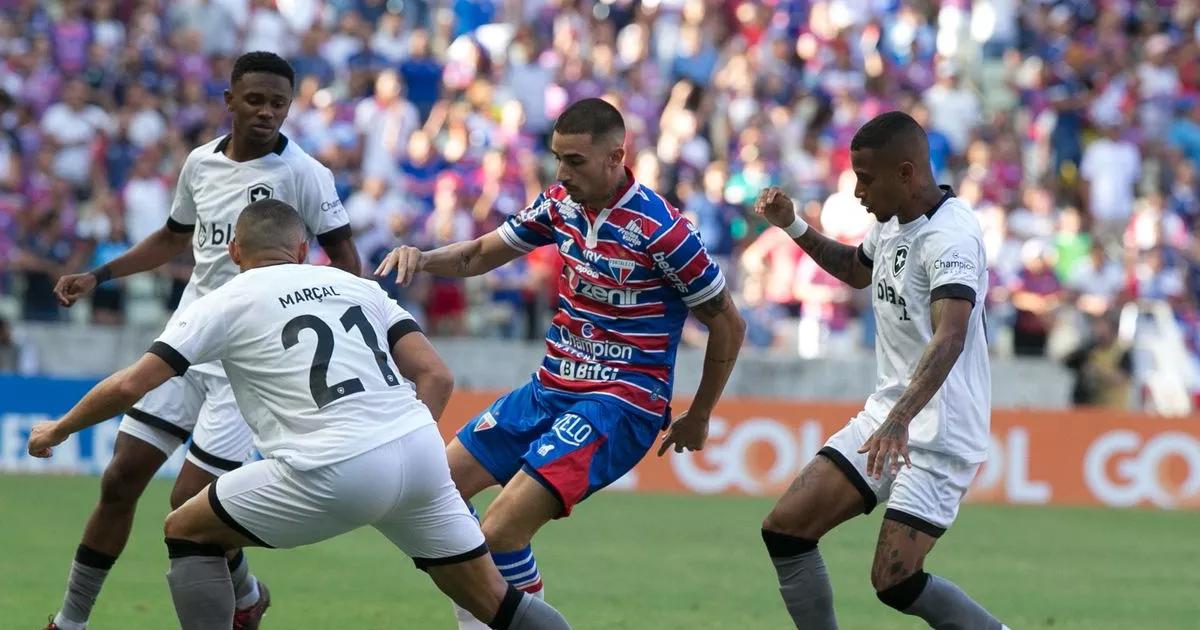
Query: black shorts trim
(158,423)
(532,472)
(179,228)
(222,514)
(401,328)
(915,522)
(855,477)
(165,352)
(425,563)
(864,258)
(335,235)
(956,291)
(213,460)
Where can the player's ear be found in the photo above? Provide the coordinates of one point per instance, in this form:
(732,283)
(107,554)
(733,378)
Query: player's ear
(907,170)
(235,252)
(617,157)
(229,101)
(302,252)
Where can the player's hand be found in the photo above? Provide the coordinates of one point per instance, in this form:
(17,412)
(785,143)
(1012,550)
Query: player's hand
(43,438)
(776,207)
(688,431)
(406,260)
(71,288)
(885,448)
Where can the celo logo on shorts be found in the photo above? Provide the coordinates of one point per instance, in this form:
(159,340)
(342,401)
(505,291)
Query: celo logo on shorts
(572,429)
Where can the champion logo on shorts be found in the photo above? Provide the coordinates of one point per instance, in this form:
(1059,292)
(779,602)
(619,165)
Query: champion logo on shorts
(486,422)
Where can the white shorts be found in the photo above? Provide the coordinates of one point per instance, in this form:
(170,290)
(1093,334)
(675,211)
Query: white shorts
(925,497)
(196,405)
(402,488)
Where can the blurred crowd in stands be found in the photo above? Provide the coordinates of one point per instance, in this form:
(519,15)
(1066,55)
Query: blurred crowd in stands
(1072,127)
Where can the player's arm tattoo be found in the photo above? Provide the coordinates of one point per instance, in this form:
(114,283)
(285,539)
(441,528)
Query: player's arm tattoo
(950,317)
(839,259)
(726,330)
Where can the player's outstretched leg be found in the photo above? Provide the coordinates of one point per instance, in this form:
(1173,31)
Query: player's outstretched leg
(821,498)
(901,582)
(133,464)
(252,601)
(198,542)
(515,561)
(477,586)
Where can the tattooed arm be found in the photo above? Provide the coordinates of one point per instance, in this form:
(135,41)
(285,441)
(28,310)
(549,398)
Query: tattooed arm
(949,317)
(726,329)
(840,260)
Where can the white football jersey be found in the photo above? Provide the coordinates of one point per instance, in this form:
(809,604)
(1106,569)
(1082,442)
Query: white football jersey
(213,189)
(938,255)
(308,353)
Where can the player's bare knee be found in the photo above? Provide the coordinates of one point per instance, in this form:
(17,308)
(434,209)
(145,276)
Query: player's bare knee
(176,526)
(503,536)
(780,522)
(121,485)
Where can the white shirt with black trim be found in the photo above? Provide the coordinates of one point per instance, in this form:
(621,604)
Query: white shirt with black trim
(308,354)
(937,256)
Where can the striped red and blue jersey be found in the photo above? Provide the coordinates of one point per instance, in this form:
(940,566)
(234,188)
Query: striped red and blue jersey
(622,302)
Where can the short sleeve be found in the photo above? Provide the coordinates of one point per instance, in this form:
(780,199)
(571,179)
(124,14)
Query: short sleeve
(679,256)
(197,335)
(530,228)
(952,260)
(866,250)
(183,208)
(318,203)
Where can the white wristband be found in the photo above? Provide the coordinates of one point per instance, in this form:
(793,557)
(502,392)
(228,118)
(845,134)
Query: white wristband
(797,228)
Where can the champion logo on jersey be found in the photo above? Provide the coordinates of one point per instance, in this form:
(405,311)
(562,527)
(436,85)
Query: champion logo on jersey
(258,192)
(901,258)
(486,422)
(620,269)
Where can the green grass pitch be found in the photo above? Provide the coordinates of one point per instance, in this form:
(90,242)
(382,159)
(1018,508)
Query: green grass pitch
(640,561)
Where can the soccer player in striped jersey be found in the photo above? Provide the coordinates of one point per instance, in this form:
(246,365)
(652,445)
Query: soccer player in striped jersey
(633,270)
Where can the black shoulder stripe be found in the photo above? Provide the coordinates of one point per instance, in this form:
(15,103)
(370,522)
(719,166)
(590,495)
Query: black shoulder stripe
(171,356)
(864,258)
(956,291)
(179,228)
(401,328)
(335,235)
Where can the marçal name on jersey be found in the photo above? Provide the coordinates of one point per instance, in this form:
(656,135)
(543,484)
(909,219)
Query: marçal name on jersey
(307,295)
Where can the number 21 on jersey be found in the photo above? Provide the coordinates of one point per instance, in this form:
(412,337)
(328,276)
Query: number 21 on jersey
(318,376)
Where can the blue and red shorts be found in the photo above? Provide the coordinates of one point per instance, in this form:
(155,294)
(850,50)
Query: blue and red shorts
(573,445)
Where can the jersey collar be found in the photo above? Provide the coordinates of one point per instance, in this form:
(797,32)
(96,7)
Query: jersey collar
(947,193)
(280,144)
(621,198)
